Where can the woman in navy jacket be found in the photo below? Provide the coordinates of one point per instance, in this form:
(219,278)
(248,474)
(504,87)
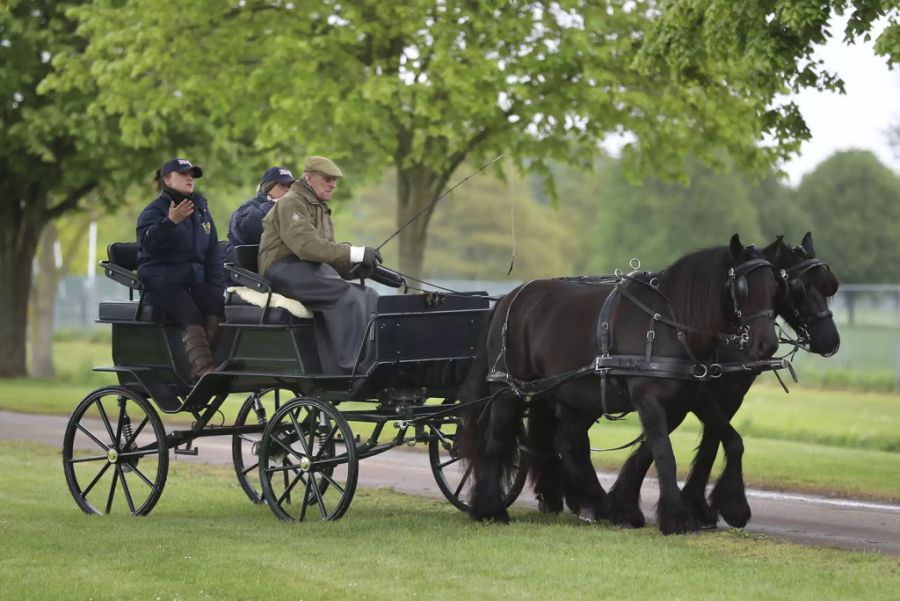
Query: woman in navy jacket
(180,263)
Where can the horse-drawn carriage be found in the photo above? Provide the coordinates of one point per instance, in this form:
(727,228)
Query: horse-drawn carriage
(292,443)
(289,429)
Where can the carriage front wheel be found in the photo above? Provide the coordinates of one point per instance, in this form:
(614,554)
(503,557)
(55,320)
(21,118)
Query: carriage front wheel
(454,476)
(307,461)
(114,453)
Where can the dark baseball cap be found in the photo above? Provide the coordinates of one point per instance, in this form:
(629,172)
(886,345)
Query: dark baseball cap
(279,175)
(181,166)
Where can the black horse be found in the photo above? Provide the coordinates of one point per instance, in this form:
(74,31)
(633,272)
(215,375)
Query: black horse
(543,340)
(805,308)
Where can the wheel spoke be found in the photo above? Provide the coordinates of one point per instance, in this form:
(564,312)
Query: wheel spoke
(332,482)
(112,437)
(463,481)
(324,445)
(247,470)
(289,488)
(134,434)
(96,479)
(305,502)
(125,487)
(248,438)
(112,491)
(315,486)
(93,458)
(142,452)
(450,462)
(90,435)
(287,448)
(117,441)
(303,442)
(144,478)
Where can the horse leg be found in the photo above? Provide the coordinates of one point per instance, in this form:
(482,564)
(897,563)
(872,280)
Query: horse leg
(672,514)
(584,495)
(694,491)
(625,494)
(543,463)
(728,496)
(495,458)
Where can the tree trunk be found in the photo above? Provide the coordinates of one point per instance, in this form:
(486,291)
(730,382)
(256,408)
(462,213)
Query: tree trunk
(417,187)
(18,241)
(42,301)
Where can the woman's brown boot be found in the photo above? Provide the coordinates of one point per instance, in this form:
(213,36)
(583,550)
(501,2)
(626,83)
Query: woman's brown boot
(196,345)
(213,331)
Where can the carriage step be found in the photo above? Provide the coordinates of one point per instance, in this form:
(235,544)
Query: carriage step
(187,450)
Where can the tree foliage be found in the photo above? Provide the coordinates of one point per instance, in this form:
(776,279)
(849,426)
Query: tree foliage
(756,51)
(853,203)
(423,86)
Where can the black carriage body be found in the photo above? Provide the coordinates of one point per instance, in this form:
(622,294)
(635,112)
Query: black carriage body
(423,346)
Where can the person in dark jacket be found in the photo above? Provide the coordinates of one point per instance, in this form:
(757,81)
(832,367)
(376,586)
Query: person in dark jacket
(180,263)
(246,225)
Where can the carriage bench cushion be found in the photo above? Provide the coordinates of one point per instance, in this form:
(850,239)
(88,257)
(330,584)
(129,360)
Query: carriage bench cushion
(126,311)
(246,306)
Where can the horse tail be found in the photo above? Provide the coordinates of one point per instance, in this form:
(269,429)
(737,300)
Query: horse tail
(475,386)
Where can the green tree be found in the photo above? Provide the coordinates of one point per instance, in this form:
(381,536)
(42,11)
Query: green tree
(853,203)
(52,155)
(658,221)
(423,86)
(58,155)
(758,50)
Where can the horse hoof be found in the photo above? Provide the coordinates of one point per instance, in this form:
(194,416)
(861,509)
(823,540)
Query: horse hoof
(587,515)
(627,516)
(545,507)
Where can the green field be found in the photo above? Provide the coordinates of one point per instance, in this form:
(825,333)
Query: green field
(205,541)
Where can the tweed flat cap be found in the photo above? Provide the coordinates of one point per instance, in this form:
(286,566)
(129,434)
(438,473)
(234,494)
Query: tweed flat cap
(322,165)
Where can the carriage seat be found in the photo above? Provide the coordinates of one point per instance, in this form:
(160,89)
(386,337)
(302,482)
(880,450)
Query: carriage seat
(121,267)
(248,299)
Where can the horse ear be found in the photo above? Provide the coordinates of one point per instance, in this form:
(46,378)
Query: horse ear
(807,244)
(736,246)
(773,251)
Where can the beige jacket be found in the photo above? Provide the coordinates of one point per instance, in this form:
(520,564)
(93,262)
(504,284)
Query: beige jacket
(300,224)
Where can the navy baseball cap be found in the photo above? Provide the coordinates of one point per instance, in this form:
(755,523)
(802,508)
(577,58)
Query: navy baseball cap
(181,166)
(279,175)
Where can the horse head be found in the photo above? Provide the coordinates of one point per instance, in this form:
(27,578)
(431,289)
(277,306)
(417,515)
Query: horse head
(751,290)
(804,299)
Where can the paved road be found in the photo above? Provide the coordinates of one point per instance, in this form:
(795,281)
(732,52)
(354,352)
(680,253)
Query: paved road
(806,519)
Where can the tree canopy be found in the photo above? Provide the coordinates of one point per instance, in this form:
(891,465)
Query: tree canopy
(853,204)
(424,86)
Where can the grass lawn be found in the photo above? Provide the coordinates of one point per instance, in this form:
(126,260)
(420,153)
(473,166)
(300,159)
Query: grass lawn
(205,541)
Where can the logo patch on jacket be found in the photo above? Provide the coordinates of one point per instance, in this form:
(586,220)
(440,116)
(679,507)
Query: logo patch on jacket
(207,226)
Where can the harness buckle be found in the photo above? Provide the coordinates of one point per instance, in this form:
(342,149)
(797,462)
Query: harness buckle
(701,375)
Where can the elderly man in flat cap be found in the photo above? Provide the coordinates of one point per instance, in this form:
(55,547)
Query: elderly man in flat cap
(300,258)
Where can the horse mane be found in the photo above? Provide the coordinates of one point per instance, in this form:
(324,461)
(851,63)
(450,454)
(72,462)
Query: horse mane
(695,285)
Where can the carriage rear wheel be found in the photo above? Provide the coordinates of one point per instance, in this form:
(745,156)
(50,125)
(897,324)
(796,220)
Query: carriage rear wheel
(257,409)
(307,461)
(114,453)
(453,476)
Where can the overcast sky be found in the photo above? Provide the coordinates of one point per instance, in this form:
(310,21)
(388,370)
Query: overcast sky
(857,119)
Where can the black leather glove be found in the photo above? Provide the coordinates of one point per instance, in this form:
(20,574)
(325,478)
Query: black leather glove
(371,258)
